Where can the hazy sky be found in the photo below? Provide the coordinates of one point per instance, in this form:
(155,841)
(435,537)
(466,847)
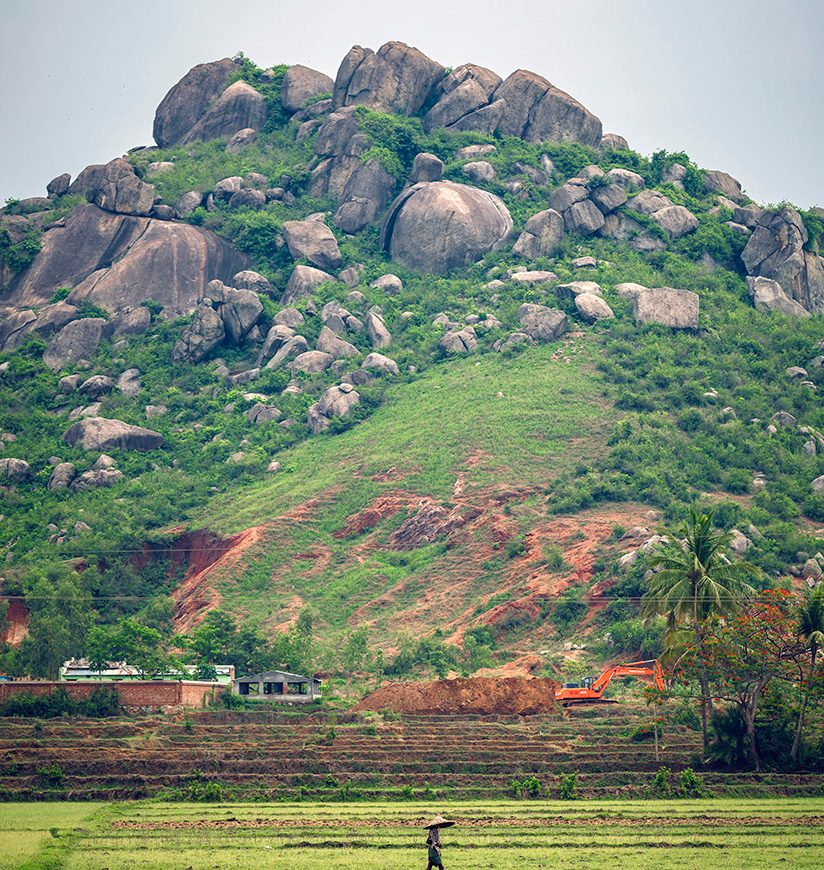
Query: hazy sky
(737,84)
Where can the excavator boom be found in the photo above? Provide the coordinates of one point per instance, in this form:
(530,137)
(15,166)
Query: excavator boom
(592,693)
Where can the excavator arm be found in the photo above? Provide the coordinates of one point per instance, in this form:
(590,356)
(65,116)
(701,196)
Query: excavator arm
(594,692)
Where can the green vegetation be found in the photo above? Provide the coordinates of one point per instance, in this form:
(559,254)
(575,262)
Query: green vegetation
(618,415)
(722,834)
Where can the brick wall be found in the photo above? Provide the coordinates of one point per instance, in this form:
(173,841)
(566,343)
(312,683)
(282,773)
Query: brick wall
(133,693)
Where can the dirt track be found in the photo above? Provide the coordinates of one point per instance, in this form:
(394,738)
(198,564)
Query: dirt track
(489,695)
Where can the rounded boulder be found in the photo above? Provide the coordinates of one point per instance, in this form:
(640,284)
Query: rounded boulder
(437,226)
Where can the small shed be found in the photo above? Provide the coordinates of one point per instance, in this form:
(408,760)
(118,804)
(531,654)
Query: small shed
(279,686)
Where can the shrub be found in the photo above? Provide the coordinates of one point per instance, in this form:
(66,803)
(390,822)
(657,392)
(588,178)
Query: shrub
(568,787)
(554,556)
(51,774)
(529,787)
(690,784)
(661,786)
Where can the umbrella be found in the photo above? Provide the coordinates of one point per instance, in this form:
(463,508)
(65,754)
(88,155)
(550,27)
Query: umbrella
(439,822)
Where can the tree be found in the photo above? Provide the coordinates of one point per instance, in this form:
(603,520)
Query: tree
(128,641)
(59,617)
(811,632)
(743,654)
(694,579)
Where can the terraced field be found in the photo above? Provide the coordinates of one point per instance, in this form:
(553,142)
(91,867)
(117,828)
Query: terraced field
(267,755)
(722,834)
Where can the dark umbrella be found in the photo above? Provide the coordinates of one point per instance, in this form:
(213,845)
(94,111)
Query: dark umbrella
(439,822)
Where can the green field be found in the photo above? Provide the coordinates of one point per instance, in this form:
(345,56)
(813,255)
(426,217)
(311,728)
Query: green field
(639,834)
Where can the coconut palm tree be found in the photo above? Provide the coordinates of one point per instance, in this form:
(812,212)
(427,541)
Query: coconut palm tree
(694,579)
(811,632)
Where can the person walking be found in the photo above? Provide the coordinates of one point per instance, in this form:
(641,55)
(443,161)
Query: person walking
(433,841)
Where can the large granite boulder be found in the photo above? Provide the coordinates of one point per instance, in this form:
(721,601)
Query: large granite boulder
(366,194)
(239,107)
(239,310)
(539,112)
(300,84)
(722,182)
(121,191)
(426,167)
(75,341)
(302,282)
(541,236)
(14,470)
(201,336)
(117,261)
(463,92)
(339,146)
(396,79)
(541,323)
(776,250)
(15,325)
(768,295)
(313,241)
(99,433)
(677,309)
(190,99)
(438,226)
(335,402)
(329,342)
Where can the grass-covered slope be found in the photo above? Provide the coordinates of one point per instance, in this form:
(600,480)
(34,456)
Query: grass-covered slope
(531,461)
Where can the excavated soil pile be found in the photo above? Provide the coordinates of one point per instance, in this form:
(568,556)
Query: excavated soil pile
(520,696)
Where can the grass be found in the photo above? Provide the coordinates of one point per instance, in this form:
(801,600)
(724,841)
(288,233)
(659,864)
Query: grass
(429,428)
(639,834)
(518,422)
(26,828)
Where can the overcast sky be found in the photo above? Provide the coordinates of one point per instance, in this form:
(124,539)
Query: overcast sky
(737,84)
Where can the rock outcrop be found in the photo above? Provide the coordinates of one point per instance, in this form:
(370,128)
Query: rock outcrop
(99,433)
(313,241)
(395,79)
(768,295)
(190,98)
(777,249)
(117,261)
(537,111)
(365,195)
(239,107)
(677,309)
(335,402)
(541,323)
(438,226)
(77,340)
(300,84)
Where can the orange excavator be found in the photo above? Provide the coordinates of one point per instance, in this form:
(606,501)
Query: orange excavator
(591,691)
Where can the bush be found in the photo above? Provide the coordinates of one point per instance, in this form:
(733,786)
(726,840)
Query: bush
(529,787)
(690,784)
(104,701)
(661,787)
(568,787)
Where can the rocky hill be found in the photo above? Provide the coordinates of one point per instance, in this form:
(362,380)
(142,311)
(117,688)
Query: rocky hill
(419,349)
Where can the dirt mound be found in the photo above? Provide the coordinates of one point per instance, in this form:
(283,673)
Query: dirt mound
(502,695)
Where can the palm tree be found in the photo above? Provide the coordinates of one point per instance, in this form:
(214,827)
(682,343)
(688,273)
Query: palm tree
(811,631)
(693,580)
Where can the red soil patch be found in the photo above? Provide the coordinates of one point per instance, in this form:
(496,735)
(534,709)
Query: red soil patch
(485,695)
(384,506)
(207,554)
(17,622)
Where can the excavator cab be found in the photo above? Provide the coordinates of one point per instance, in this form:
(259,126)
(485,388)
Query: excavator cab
(586,682)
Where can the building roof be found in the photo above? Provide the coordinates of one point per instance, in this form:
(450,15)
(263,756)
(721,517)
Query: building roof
(276,676)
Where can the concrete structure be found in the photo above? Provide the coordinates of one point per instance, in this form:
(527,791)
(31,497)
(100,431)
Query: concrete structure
(80,669)
(134,694)
(279,686)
